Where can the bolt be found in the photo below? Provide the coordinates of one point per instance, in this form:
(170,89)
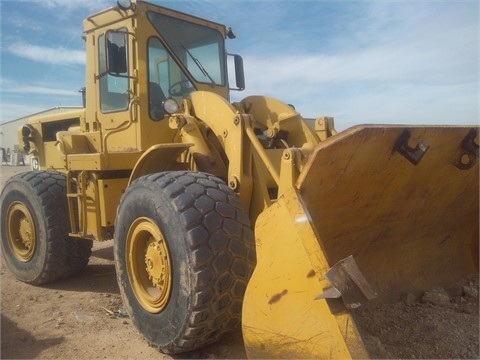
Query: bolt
(233,183)
(465,159)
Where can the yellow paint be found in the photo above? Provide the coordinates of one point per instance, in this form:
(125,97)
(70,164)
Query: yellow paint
(409,227)
(314,196)
(281,319)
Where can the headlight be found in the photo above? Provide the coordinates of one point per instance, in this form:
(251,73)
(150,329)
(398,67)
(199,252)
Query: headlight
(170,106)
(27,131)
(25,138)
(124,4)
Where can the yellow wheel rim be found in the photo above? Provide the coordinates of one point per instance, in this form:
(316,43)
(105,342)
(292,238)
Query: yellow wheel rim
(148,265)
(21,232)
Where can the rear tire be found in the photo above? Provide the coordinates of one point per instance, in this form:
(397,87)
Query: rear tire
(183,254)
(35,226)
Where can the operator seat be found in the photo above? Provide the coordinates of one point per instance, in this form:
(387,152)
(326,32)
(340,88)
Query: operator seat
(156,97)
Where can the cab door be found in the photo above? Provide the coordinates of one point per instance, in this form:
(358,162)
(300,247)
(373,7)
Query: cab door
(116,88)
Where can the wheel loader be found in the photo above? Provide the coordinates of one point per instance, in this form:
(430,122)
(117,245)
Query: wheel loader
(226,213)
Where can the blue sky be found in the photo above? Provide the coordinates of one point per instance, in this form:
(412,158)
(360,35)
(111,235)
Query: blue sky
(414,62)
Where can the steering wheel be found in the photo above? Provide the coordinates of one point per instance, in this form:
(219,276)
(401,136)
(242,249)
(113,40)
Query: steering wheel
(180,88)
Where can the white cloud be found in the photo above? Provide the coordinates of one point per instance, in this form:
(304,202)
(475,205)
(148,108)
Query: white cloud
(39,90)
(421,68)
(40,97)
(70,5)
(59,55)
(402,62)
(12,111)
(9,86)
(14,107)
(405,104)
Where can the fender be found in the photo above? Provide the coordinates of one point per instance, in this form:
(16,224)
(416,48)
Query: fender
(160,157)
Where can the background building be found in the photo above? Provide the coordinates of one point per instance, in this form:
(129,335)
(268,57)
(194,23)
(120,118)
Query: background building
(9,129)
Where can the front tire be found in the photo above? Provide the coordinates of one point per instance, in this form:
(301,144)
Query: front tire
(34,232)
(183,254)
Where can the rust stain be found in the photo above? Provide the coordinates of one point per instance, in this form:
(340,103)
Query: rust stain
(444,241)
(277,297)
(311,273)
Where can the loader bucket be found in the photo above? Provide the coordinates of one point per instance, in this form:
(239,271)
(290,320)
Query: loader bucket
(377,212)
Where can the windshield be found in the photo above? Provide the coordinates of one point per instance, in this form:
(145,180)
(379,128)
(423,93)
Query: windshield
(199,48)
(165,79)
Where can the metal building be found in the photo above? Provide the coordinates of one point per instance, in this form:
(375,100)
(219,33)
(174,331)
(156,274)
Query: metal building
(8,134)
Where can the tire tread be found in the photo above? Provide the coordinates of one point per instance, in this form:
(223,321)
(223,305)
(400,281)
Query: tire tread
(64,256)
(218,235)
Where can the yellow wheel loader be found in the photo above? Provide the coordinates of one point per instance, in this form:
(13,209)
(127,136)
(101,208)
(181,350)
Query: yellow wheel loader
(225,213)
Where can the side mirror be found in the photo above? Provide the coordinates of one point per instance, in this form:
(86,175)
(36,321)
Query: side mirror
(117,55)
(239,72)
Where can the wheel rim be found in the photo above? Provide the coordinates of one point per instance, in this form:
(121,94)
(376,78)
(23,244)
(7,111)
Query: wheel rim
(21,232)
(148,265)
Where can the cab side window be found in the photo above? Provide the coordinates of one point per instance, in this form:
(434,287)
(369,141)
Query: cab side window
(113,86)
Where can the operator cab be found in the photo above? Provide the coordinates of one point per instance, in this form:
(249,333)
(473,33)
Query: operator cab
(181,56)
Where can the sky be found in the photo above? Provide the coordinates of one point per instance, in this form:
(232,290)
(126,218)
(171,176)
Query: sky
(384,61)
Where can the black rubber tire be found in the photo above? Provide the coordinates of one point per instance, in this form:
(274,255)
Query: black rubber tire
(211,247)
(55,255)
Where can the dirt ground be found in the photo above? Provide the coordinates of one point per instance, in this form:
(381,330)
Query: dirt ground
(441,324)
(83,318)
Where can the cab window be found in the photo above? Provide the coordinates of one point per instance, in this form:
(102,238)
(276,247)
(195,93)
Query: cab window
(114,88)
